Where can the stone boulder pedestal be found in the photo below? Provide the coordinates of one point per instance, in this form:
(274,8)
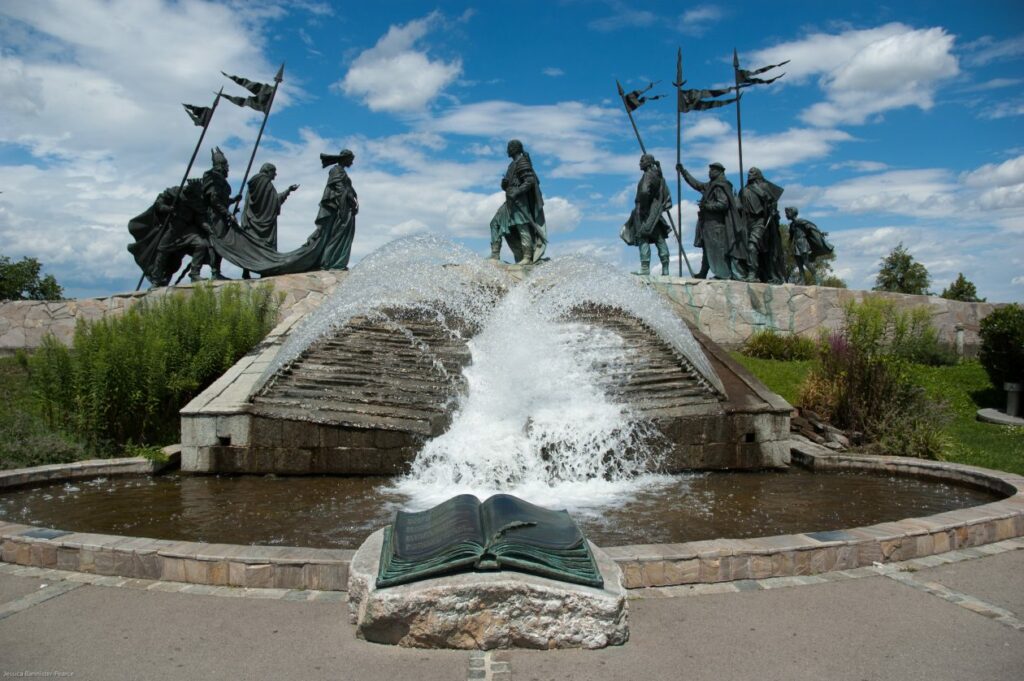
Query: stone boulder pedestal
(486,610)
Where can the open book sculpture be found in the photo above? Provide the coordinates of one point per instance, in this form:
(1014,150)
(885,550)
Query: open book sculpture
(504,532)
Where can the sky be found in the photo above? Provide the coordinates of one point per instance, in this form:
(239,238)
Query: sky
(895,122)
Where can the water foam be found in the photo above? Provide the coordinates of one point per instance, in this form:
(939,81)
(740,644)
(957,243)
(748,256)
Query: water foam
(534,420)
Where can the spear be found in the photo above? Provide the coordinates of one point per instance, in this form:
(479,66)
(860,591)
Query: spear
(679,159)
(184,178)
(739,127)
(266,114)
(629,112)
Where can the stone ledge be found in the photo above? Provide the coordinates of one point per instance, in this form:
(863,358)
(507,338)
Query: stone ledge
(645,565)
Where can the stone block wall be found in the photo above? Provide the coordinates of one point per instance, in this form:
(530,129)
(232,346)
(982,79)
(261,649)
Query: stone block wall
(24,323)
(729,312)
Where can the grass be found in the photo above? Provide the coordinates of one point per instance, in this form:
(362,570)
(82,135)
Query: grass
(782,376)
(25,437)
(964,387)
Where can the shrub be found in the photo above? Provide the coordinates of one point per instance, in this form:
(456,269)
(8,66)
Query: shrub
(1002,345)
(878,327)
(124,379)
(770,344)
(862,382)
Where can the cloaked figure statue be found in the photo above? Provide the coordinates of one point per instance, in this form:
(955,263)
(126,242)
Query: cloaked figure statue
(646,224)
(339,205)
(262,206)
(807,242)
(520,220)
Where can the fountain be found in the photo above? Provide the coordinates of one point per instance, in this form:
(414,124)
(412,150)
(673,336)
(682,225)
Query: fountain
(430,361)
(429,372)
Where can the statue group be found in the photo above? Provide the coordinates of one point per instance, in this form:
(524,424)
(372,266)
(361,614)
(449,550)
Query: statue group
(197,222)
(740,237)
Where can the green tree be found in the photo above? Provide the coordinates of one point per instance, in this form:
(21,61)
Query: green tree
(962,289)
(899,273)
(20,281)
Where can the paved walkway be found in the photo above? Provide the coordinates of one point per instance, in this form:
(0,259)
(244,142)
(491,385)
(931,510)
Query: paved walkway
(957,616)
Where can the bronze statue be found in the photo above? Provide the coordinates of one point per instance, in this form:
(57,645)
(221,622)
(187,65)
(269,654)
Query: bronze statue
(217,195)
(169,230)
(262,206)
(336,221)
(520,220)
(807,242)
(646,224)
(719,229)
(759,204)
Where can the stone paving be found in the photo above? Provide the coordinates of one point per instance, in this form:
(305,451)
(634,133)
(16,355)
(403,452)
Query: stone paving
(950,616)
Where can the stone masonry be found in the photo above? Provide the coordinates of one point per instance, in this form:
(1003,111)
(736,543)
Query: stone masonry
(728,312)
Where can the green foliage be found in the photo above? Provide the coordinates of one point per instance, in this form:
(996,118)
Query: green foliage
(863,382)
(962,289)
(770,344)
(964,388)
(25,438)
(151,452)
(1002,345)
(878,328)
(832,281)
(20,281)
(899,273)
(125,379)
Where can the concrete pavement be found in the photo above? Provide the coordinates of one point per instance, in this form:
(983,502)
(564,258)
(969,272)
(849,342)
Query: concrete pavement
(930,619)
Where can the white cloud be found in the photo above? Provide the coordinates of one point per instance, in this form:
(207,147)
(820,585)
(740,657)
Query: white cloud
(697,20)
(994,84)
(860,166)
(571,132)
(561,214)
(553,71)
(1003,184)
(1003,110)
(705,127)
(921,193)
(870,71)
(1008,173)
(623,16)
(987,49)
(395,76)
(779,150)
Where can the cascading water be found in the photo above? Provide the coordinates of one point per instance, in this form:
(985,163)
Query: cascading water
(534,420)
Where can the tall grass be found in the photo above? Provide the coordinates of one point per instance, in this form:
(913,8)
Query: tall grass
(124,379)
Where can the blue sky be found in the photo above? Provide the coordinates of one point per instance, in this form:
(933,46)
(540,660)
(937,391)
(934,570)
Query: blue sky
(896,122)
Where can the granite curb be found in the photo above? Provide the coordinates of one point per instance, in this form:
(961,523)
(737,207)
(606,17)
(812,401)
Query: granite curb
(643,566)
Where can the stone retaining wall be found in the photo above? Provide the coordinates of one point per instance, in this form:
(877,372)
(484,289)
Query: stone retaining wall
(732,311)
(727,311)
(649,565)
(24,323)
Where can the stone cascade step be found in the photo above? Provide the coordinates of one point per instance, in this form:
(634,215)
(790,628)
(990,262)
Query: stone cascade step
(389,372)
(646,372)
